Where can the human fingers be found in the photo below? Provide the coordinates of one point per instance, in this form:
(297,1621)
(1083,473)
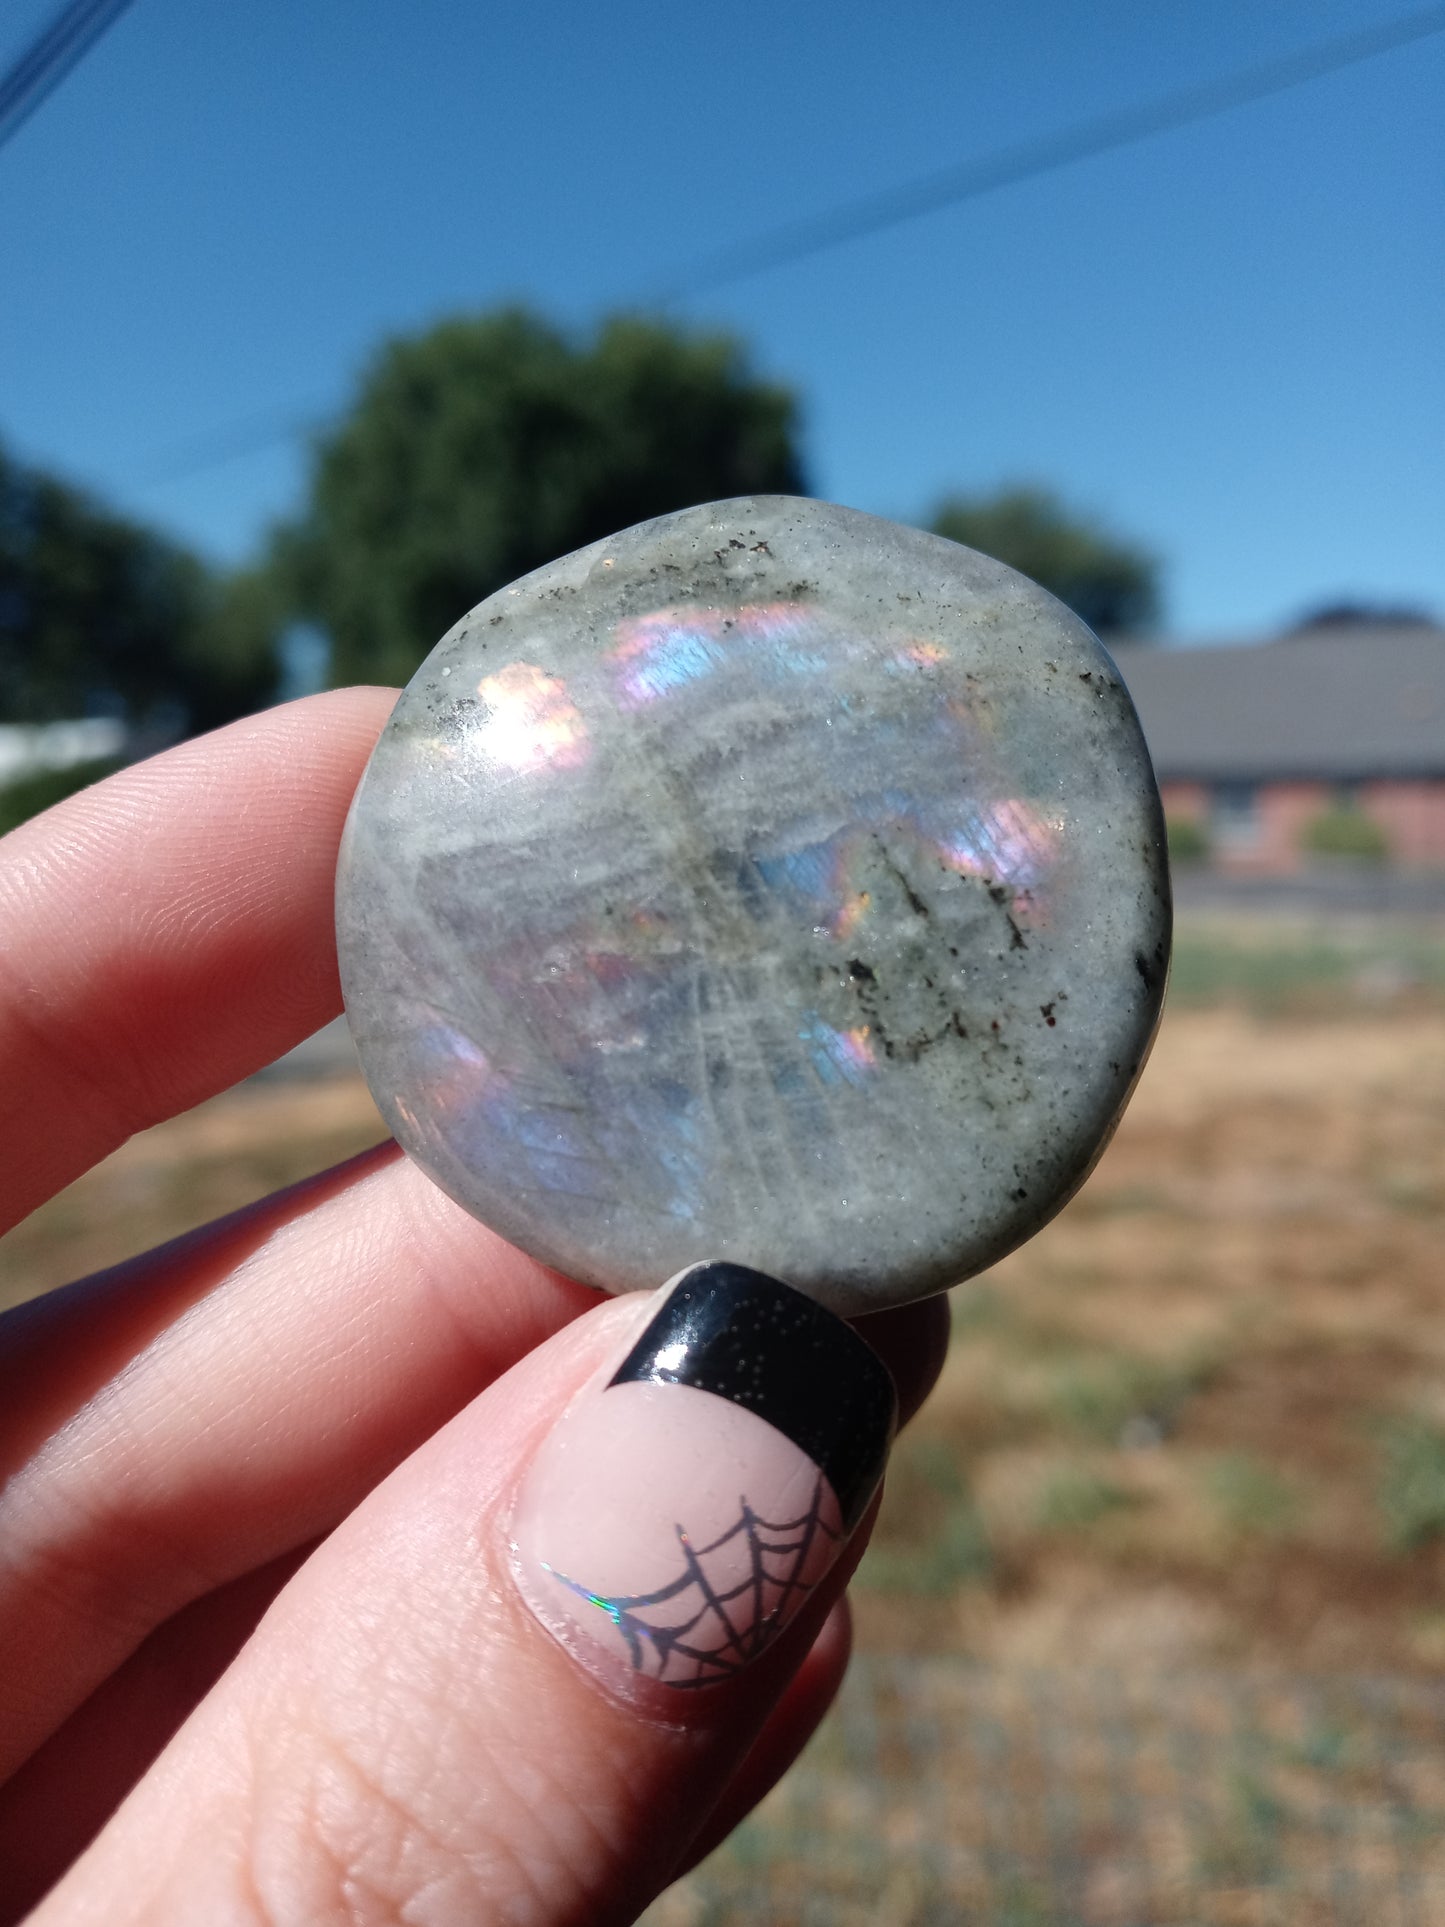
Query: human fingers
(161,934)
(168,931)
(168,1426)
(62,1797)
(201,1412)
(517,1680)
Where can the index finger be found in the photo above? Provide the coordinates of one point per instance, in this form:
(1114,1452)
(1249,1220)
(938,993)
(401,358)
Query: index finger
(170,931)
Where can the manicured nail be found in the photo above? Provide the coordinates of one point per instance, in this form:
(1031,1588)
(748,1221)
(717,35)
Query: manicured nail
(681,1512)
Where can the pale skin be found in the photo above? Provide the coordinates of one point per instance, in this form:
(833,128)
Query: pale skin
(261,1656)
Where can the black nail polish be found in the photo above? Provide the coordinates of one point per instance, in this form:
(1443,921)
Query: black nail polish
(745,1337)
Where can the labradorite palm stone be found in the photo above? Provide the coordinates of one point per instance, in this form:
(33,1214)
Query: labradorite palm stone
(767,882)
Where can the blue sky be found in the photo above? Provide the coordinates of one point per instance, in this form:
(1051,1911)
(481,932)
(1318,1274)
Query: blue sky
(1226,340)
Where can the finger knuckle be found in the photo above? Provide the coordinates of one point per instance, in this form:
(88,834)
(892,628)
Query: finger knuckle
(348,1837)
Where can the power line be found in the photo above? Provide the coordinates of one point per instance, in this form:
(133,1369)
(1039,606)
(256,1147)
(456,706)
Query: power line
(927,193)
(948,187)
(32,79)
(268,428)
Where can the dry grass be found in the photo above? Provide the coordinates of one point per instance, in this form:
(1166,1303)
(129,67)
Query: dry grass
(1200,1420)
(214,1159)
(940,1794)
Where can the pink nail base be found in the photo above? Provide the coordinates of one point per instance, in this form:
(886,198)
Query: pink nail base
(671,1535)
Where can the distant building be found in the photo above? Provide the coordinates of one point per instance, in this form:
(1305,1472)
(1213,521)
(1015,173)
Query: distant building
(1326,743)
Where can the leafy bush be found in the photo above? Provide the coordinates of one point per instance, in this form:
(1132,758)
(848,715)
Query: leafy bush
(1188,840)
(1344,830)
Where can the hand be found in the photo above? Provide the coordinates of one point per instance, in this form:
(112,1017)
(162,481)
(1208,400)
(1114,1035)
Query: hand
(336,1573)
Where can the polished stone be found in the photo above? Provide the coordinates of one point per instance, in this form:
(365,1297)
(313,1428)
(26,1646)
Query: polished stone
(768,882)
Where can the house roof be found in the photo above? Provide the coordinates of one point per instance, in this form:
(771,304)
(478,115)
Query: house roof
(1335,704)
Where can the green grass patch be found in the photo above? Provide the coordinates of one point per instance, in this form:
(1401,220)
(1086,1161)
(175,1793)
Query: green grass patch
(1411,1192)
(976,1308)
(1325,1747)
(1129,1201)
(1244,1849)
(1096,1394)
(930,1538)
(1188,840)
(1411,1493)
(1251,1497)
(1073,1500)
(1272,967)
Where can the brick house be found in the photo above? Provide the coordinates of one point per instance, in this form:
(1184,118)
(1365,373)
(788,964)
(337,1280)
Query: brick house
(1277,751)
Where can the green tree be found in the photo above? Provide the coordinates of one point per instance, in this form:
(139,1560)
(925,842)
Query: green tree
(488,446)
(100,615)
(1111,584)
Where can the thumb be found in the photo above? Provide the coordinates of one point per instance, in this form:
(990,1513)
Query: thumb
(516,1682)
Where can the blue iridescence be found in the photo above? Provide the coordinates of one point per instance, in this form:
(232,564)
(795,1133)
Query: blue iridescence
(769,883)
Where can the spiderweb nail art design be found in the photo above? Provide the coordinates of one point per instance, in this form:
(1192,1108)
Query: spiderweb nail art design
(724,1624)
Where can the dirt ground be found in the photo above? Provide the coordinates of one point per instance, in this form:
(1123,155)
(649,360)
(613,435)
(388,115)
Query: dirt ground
(1200,1420)
(214,1159)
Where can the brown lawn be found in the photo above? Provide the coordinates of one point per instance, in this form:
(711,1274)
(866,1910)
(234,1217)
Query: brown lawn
(1200,1419)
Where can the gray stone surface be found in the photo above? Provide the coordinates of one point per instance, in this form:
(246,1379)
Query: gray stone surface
(767,882)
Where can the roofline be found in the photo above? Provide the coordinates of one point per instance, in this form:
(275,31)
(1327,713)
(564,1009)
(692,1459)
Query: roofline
(1274,773)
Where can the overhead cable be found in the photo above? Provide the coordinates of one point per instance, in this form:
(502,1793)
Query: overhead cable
(947,187)
(967,180)
(31,79)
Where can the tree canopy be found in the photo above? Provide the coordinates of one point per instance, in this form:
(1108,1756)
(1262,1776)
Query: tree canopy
(1110,583)
(99,616)
(488,446)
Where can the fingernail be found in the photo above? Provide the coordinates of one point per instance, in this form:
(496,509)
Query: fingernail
(682,1510)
